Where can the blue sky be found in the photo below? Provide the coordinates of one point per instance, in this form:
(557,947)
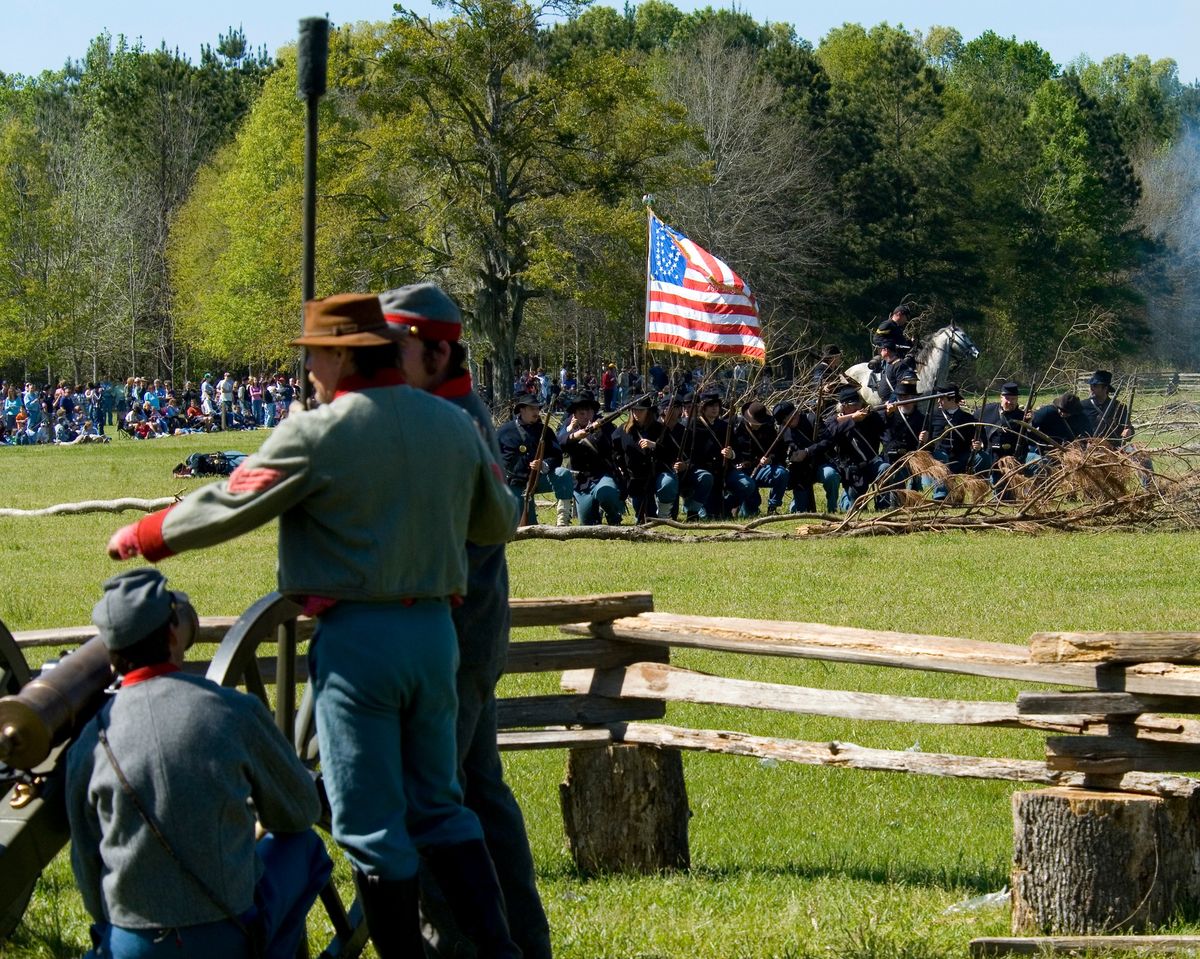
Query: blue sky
(42,35)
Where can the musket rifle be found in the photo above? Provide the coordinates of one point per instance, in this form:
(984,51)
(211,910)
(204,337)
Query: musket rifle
(979,420)
(1128,424)
(911,399)
(601,421)
(531,483)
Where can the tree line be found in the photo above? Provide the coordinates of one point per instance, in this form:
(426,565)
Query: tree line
(150,207)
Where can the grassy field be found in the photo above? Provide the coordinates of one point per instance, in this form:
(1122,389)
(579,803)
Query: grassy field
(787,861)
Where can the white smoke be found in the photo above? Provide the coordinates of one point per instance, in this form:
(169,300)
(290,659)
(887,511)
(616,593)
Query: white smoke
(1170,212)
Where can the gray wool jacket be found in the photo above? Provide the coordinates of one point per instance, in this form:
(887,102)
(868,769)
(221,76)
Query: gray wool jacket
(482,619)
(197,755)
(376,493)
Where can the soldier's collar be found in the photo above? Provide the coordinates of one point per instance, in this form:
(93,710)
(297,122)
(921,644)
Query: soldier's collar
(456,388)
(354,383)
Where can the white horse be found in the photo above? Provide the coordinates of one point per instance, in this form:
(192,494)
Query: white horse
(932,362)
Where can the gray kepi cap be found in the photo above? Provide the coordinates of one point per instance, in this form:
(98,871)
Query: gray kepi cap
(135,603)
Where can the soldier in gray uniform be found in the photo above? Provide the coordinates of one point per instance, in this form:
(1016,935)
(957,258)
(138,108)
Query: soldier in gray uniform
(162,835)
(433,360)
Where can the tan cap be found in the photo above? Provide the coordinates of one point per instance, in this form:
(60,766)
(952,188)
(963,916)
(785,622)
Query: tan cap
(347,319)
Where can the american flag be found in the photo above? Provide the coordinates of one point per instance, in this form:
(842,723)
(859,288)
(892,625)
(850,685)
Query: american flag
(695,303)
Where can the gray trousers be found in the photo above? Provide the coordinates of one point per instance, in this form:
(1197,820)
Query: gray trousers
(487,795)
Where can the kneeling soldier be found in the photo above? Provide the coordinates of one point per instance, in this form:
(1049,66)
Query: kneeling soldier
(158,784)
(519,439)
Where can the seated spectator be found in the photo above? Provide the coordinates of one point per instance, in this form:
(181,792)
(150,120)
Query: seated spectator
(62,428)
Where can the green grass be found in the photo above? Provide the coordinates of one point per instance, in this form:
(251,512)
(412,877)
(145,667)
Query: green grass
(788,861)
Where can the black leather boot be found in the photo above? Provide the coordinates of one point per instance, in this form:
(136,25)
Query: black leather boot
(467,879)
(390,910)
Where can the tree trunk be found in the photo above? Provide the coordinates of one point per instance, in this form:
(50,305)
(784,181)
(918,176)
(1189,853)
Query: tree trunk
(625,810)
(1087,861)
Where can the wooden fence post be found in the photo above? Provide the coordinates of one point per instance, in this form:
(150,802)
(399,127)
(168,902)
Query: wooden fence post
(625,809)
(1089,861)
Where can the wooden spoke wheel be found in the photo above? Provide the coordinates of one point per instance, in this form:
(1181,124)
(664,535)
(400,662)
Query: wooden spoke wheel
(273,619)
(14,673)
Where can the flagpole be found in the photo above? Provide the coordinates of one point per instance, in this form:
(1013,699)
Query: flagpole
(647,199)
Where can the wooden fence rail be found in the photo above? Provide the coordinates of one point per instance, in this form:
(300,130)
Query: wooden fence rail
(1112,730)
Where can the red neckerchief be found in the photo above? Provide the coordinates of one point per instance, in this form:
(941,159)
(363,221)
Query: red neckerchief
(354,382)
(142,673)
(456,388)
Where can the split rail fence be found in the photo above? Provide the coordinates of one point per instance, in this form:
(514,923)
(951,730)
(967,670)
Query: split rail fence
(1117,753)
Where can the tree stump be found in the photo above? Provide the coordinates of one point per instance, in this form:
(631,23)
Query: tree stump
(1088,861)
(625,809)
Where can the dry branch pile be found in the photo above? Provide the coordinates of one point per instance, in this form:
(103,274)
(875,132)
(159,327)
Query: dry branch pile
(1091,487)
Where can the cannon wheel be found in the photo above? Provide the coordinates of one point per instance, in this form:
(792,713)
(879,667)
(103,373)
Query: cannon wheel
(236,663)
(14,673)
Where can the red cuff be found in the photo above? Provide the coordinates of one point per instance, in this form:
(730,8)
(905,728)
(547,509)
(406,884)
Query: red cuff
(150,537)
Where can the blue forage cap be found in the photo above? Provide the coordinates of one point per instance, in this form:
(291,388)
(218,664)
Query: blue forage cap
(135,603)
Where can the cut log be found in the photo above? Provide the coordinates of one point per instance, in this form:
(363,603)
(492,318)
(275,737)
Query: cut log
(884,648)
(1091,945)
(559,610)
(850,756)
(1122,647)
(1118,754)
(673,684)
(625,810)
(1087,861)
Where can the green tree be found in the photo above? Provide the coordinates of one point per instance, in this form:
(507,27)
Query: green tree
(538,165)
(900,166)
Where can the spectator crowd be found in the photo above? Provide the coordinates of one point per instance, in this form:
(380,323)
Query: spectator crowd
(141,408)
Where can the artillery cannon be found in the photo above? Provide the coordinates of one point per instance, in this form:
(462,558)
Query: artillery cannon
(40,713)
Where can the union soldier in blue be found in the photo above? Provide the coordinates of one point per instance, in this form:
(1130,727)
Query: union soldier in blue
(647,461)
(597,489)
(806,448)
(759,458)
(893,328)
(1107,416)
(519,439)
(854,433)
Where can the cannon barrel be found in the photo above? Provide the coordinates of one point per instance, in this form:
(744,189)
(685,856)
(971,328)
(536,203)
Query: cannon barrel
(49,706)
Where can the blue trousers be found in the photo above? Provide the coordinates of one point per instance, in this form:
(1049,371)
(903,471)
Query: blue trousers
(771,477)
(803,500)
(741,494)
(695,488)
(560,480)
(666,492)
(295,869)
(603,496)
(488,795)
(386,709)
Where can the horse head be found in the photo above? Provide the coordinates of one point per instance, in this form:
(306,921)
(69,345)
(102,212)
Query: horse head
(960,344)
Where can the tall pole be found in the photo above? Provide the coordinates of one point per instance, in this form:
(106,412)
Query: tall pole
(312,59)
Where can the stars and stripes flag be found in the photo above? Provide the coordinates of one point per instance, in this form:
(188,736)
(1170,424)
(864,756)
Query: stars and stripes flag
(695,303)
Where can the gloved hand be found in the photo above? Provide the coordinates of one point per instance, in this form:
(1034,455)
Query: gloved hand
(124,543)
